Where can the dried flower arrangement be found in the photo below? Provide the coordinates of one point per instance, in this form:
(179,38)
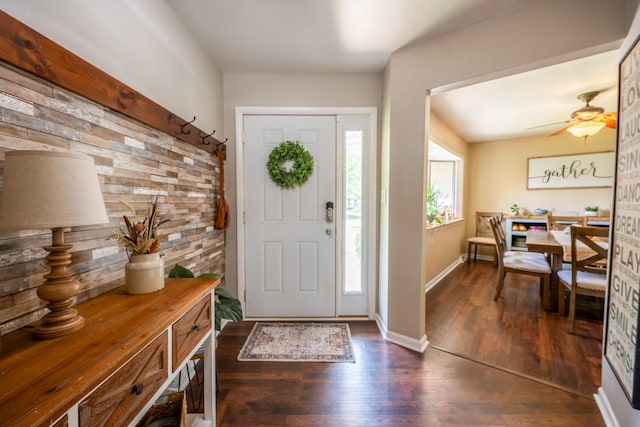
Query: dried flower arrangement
(140,236)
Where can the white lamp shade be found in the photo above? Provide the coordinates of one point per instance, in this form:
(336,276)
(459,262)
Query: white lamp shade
(50,189)
(587,128)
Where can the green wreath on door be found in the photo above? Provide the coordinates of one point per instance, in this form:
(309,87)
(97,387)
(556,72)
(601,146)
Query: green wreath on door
(301,164)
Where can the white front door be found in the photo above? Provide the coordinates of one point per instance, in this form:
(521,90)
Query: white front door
(289,242)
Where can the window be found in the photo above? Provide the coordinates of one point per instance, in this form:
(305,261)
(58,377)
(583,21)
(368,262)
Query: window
(356,234)
(353,207)
(443,186)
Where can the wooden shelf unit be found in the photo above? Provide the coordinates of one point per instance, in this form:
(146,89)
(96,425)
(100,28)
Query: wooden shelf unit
(114,369)
(516,238)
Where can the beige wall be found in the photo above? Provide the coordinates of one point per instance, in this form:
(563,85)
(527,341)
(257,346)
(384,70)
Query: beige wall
(445,244)
(406,230)
(498,174)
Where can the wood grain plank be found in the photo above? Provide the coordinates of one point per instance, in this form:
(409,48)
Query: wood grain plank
(514,333)
(387,386)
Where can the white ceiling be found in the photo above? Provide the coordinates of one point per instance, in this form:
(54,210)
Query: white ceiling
(358,36)
(509,107)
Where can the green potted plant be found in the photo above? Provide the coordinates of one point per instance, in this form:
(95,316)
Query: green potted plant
(434,204)
(227,306)
(591,211)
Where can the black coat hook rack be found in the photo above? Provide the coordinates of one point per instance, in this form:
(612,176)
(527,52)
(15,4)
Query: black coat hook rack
(185,125)
(204,137)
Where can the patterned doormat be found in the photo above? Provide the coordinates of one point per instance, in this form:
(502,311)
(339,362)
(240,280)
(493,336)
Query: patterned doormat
(298,342)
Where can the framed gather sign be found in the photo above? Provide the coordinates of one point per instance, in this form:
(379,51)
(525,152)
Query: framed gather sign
(571,171)
(623,302)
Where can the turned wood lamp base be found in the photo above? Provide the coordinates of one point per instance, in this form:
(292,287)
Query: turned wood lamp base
(59,289)
(52,189)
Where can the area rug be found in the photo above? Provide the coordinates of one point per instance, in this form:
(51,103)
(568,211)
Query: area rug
(298,342)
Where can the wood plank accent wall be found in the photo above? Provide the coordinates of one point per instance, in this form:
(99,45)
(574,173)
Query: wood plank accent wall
(29,50)
(134,161)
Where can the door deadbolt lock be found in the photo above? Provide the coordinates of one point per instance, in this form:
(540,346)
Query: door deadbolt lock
(329,207)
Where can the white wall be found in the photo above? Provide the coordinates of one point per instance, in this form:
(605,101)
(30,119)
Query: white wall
(142,43)
(285,90)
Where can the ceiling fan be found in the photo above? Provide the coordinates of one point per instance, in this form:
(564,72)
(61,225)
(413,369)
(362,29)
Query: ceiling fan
(588,120)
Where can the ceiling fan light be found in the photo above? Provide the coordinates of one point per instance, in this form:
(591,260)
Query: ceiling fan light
(587,113)
(584,129)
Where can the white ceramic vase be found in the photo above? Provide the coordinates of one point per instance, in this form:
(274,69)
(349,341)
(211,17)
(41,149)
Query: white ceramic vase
(144,274)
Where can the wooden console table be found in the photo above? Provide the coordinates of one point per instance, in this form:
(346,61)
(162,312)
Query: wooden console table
(111,371)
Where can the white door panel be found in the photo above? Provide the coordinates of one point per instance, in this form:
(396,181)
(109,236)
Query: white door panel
(290,256)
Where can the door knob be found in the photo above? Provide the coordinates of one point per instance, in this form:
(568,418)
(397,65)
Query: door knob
(330,231)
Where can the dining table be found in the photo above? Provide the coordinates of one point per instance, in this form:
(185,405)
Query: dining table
(556,244)
(546,243)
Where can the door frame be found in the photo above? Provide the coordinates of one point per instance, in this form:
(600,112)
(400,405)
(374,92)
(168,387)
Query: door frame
(371,189)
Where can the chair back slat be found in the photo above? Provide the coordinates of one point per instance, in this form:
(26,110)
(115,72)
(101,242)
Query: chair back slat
(498,235)
(483,228)
(595,238)
(532,264)
(560,222)
(589,254)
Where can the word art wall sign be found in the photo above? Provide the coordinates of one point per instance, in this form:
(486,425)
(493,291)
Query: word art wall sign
(573,171)
(623,311)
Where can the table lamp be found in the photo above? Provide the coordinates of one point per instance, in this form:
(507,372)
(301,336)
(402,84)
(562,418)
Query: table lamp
(56,190)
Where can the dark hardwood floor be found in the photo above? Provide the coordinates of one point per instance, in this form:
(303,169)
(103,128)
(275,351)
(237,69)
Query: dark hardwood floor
(514,333)
(387,386)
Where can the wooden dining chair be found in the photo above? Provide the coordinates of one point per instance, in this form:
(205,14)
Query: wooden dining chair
(561,222)
(588,272)
(483,236)
(527,263)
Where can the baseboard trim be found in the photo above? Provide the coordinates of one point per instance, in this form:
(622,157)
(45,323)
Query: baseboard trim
(433,282)
(410,343)
(382,326)
(605,408)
